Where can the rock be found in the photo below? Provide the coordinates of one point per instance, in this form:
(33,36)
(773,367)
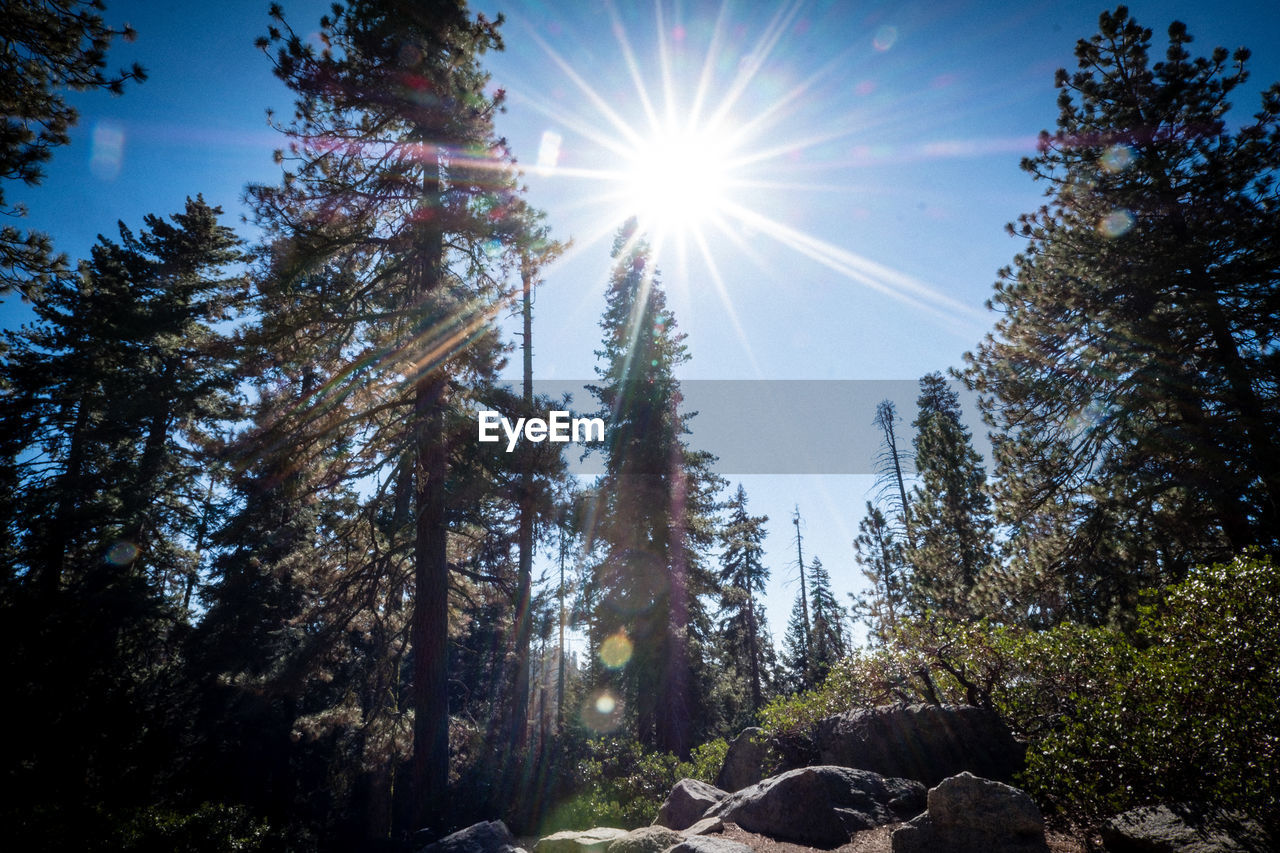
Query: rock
(821,806)
(488,837)
(971,815)
(706,844)
(1161,829)
(744,763)
(927,743)
(687,803)
(706,826)
(595,840)
(647,839)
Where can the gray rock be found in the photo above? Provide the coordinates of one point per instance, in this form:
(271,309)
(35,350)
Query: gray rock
(927,743)
(595,840)
(488,837)
(744,763)
(707,844)
(1161,829)
(821,806)
(687,803)
(706,826)
(647,839)
(971,815)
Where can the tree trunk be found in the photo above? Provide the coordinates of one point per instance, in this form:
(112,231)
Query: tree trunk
(430,631)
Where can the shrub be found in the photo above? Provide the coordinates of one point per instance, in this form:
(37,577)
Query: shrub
(1189,711)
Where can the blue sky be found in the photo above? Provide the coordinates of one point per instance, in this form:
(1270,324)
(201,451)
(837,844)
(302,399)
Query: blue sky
(884,148)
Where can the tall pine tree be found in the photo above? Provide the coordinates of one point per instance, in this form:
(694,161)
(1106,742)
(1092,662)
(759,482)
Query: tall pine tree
(397,189)
(950,508)
(654,509)
(744,636)
(1131,380)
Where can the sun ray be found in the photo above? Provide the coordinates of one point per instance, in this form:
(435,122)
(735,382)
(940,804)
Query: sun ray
(633,66)
(782,19)
(629,134)
(664,66)
(763,120)
(723,292)
(708,64)
(878,277)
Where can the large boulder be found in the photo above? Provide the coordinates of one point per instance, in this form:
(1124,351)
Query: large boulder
(821,806)
(688,801)
(595,840)
(744,763)
(487,837)
(927,743)
(1161,829)
(646,839)
(971,815)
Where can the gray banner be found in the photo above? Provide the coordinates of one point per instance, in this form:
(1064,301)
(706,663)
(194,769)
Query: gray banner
(791,426)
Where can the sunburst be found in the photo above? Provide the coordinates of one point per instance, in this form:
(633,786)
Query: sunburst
(685,167)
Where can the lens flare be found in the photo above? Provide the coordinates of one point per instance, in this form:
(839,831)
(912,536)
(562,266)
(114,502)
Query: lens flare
(1115,224)
(122,553)
(885,38)
(1116,158)
(549,150)
(108,150)
(602,712)
(616,651)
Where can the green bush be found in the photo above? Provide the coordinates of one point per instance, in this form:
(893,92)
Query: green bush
(1183,708)
(1188,711)
(624,785)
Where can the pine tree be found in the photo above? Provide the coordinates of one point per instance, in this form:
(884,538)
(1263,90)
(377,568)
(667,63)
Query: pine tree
(49,48)
(795,670)
(398,191)
(950,508)
(742,577)
(1131,379)
(827,640)
(881,556)
(654,508)
(114,394)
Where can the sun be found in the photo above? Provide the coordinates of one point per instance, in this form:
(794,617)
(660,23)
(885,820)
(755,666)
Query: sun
(678,179)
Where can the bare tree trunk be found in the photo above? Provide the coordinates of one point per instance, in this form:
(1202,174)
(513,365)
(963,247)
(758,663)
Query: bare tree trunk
(430,622)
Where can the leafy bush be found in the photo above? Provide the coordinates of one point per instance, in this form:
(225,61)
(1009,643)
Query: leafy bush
(705,762)
(1185,708)
(1187,711)
(624,785)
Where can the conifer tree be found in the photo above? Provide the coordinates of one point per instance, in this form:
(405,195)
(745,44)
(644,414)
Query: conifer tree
(1131,378)
(654,509)
(881,556)
(950,508)
(113,397)
(48,48)
(795,671)
(398,190)
(742,577)
(827,640)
